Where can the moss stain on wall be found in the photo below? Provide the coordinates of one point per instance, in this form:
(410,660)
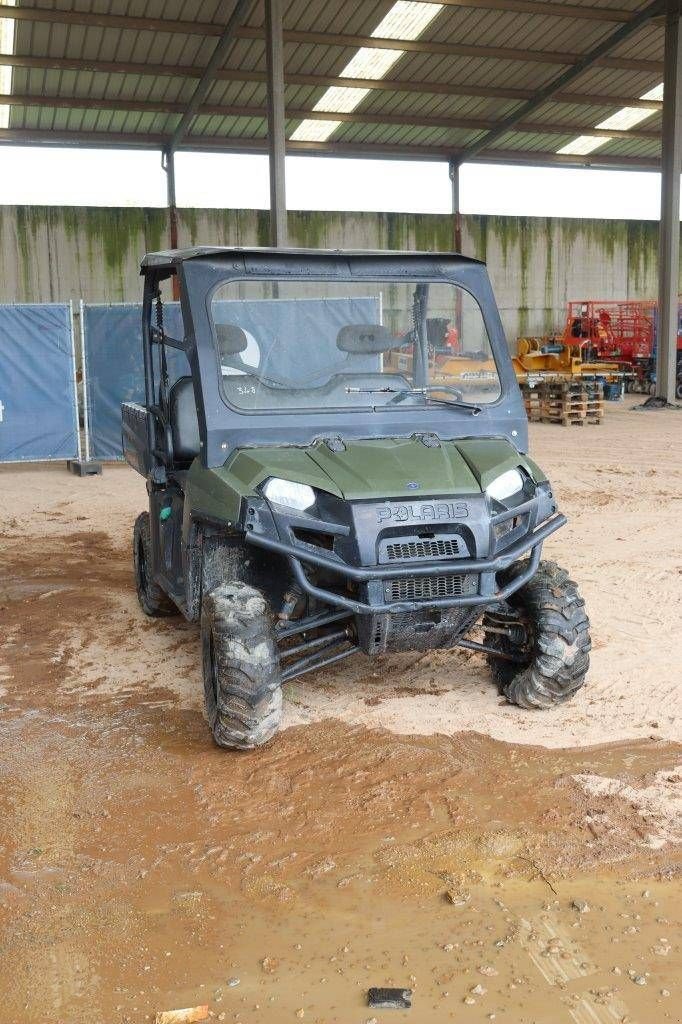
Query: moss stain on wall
(117,235)
(156,230)
(642,259)
(310,229)
(94,251)
(476,226)
(549,226)
(434,232)
(28,221)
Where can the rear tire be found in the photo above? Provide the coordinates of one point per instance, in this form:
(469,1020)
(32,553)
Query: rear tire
(242,681)
(152,598)
(555,650)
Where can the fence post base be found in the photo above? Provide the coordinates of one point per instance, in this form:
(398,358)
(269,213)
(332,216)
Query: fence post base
(81,467)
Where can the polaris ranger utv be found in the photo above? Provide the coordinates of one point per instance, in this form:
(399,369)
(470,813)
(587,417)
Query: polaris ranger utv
(335,452)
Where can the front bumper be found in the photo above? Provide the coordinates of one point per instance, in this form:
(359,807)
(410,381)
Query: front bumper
(485,569)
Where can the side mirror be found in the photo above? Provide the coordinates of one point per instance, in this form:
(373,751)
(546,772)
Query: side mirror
(231,339)
(365,339)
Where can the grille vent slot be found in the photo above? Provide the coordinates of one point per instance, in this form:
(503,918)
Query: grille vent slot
(402,551)
(426,588)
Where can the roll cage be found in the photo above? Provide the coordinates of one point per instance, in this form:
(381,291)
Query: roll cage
(223,428)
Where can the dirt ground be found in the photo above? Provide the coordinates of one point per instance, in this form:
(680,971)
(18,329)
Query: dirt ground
(406,828)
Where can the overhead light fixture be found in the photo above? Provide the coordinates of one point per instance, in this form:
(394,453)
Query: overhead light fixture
(621,121)
(405,20)
(6,46)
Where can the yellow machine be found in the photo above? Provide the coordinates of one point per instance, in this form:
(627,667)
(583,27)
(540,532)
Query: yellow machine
(446,368)
(544,357)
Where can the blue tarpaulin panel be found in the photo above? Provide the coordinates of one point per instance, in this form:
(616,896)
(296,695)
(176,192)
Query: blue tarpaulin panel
(114,368)
(38,403)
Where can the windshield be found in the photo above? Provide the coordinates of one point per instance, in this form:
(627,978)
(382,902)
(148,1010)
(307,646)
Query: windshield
(290,345)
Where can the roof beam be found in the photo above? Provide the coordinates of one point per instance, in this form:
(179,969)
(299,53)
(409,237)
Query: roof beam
(318,81)
(564,80)
(558,10)
(220,144)
(208,28)
(453,49)
(223,46)
(354,117)
(237,31)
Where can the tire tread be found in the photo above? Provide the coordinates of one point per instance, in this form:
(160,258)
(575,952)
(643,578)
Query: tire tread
(248,710)
(560,660)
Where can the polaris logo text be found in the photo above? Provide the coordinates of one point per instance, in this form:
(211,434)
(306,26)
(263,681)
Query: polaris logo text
(432,511)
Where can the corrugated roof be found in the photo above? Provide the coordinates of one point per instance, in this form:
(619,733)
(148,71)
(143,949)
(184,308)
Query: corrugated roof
(85,70)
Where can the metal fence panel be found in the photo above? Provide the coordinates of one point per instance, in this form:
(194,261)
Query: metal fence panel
(38,400)
(113,366)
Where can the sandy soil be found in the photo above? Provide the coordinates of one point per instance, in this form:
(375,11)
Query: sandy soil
(406,828)
(620,485)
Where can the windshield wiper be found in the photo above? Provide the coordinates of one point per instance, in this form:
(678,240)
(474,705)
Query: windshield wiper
(372,391)
(475,410)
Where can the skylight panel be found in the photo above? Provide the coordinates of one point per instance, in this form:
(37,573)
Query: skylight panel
(6,46)
(583,145)
(315,131)
(622,121)
(626,118)
(371,63)
(405,20)
(340,100)
(654,94)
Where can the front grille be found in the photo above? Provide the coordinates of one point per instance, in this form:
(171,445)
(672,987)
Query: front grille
(402,551)
(426,588)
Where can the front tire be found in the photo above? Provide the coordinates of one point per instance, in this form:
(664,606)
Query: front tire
(153,600)
(242,681)
(550,638)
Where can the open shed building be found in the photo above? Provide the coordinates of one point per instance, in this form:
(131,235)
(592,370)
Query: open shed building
(450,658)
(514,81)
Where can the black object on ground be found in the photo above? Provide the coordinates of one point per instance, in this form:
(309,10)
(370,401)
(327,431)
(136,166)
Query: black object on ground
(81,467)
(390,998)
(655,402)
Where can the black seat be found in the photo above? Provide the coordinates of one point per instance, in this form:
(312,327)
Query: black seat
(184,421)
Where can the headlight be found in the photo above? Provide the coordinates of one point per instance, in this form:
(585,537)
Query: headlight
(289,494)
(505,485)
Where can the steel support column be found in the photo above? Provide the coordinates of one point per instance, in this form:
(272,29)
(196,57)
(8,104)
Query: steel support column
(456,238)
(168,164)
(671,167)
(456,215)
(276,135)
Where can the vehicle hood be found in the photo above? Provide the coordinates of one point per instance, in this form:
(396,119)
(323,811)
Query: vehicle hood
(384,468)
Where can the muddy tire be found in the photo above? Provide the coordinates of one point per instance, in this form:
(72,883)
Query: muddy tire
(242,682)
(152,598)
(553,643)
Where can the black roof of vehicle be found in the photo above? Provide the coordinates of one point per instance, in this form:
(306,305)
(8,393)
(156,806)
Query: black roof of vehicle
(172,257)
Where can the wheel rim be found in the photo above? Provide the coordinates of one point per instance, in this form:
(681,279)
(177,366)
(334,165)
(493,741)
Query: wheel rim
(520,640)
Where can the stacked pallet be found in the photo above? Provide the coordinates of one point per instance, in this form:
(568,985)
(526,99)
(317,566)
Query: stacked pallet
(567,402)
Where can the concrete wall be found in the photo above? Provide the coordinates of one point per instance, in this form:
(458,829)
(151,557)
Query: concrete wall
(536,264)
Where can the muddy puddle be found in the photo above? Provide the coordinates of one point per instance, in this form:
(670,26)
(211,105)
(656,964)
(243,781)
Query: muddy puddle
(143,870)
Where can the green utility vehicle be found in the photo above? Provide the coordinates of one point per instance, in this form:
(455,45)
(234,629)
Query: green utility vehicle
(335,452)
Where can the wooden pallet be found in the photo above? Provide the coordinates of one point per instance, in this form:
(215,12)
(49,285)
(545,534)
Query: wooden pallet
(568,403)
